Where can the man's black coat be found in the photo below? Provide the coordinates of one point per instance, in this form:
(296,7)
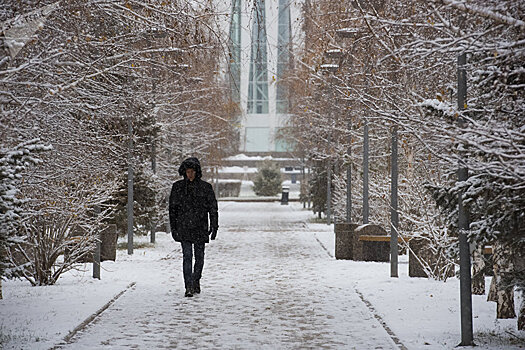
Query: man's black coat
(191,204)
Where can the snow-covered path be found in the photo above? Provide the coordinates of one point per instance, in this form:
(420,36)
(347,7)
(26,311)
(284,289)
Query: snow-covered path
(267,283)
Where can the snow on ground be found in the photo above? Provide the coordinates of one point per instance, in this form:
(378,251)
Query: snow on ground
(424,313)
(228,180)
(269,281)
(243,156)
(237,170)
(37,317)
(249,170)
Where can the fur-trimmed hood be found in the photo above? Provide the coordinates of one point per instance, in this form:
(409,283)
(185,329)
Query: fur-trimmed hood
(192,163)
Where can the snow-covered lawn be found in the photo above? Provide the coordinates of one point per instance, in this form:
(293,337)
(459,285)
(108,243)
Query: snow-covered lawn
(270,281)
(424,313)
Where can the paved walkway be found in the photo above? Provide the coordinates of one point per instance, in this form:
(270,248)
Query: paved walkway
(267,284)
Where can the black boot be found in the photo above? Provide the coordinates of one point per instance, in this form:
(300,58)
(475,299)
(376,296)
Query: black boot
(189,292)
(197,286)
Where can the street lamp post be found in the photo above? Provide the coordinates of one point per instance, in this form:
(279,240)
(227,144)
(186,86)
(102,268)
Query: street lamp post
(154,35)
(216,168)
(349,177)
(365,174)
(330,69)
(340,55)
(463,225)
(394,215)
(130,187)
(153,223)
(328,188)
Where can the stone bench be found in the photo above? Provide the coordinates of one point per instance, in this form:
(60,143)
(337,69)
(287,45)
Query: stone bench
(374,249)
(360,243)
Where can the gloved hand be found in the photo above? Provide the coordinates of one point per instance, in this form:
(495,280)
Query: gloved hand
(213,232)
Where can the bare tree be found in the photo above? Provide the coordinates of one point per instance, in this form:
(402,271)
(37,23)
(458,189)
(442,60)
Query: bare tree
(88,69)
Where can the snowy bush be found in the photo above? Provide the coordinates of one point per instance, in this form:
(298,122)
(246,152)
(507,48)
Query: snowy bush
(13,162)
(146,209)
(60,232)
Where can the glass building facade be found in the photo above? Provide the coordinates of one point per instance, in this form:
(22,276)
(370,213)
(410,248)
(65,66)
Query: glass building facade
(235,51)
(258,78)
(283,56)
(259,59)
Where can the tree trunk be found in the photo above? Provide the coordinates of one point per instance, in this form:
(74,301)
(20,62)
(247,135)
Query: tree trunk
(521,316)
(478,277)
(503,265)
(1,297)
(506,302)
(492,290)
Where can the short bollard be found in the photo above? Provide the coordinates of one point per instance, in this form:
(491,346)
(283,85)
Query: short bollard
(284,195)
(153,229)
(96,261)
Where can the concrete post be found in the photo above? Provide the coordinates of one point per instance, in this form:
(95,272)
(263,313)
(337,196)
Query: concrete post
(96,260)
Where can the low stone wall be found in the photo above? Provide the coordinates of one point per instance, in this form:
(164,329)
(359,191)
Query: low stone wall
(420,252)
(343,240)
(348,246)
(108,248)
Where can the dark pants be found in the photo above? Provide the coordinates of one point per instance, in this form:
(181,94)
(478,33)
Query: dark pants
(187,257)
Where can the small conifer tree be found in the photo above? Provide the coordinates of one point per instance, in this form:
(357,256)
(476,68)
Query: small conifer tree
(317,189)
(145,208)
(268,180)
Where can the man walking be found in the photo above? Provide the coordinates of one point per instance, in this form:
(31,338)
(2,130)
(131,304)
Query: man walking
(192,202)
